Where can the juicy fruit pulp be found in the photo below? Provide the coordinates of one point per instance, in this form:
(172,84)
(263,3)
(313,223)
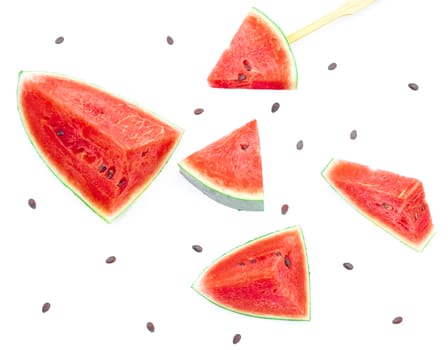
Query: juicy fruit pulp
(258,57)
(229,170)
(105,149)
(267,277)
(394,202)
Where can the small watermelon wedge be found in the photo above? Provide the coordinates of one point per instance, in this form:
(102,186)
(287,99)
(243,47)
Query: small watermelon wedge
(105,149)
(394,202)
(267,277)
(229,170)
(258,57)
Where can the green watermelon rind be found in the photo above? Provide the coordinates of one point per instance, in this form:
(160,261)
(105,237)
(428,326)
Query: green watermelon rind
(108,219)
(221,195)
(277,28)
(298,228)
(415,247)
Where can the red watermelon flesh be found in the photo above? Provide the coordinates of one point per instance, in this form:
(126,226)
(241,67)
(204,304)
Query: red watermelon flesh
(267,277)
(106,150)
(229,170)
(258,57)
(395,203)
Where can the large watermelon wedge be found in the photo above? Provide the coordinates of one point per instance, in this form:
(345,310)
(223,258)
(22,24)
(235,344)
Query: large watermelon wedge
(258,57)
(106,150)
(393,202)
(229,170)
(267,277)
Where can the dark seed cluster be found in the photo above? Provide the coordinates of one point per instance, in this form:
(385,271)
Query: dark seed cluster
(197,248)
(150,327)
(169,40)
(59,40)
(413,86)
(275,107)
(198,111)
(353,134)
(348,265)
(111,259)
(46,307)
(397,320)
(332,66)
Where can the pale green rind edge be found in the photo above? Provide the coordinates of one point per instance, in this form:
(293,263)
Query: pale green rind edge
(234,202)
(107,219)
(276,28)
(418,248)
(278,232)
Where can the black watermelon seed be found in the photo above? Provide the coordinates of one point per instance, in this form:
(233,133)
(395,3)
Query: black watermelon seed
(278,253)
(198,111)
(60,133)
(285,208)
(241,77)
(32,203)
(247,65)
(275,107)
(332,66)
(253,261)
(111,259)
(348,266)
(413,86)
(299,145)
(102,168)
(353,134)
(397,320)
(150,327)
(244,146)
(59,40)
(287,261)
(110,173)
(242,264)
(46,307)
(236,338)
(197,248)
(122,182)
(169,40)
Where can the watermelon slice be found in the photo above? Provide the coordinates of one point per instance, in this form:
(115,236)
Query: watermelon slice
(267,277)
(229,169)
(106,150)
(258,57)
(393,202)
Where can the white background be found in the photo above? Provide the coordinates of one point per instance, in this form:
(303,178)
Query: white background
(56,253)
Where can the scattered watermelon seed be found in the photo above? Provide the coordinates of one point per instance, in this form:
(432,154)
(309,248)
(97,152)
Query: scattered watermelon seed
(413,86)
(241,77)
(102,168)
(278,253)
(332,66)
(416,216)
(60,133)
(59,40)
(244,146)
(32,203)
(236,338)
(122,182)
(397,320)
(169,40)
(299,145)
(353,134)
(285,208)
(150,327)
(110,173)
(242,264)
(198,111)
(275,107)
(252,261)
(45,307)
(197,248)
(422,207)
(111,259)
(287,261)
(348,266)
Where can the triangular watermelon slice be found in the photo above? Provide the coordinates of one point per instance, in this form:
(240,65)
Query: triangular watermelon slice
(267,277)
(394,202)
(105,149)
(258,57)
(229,170)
